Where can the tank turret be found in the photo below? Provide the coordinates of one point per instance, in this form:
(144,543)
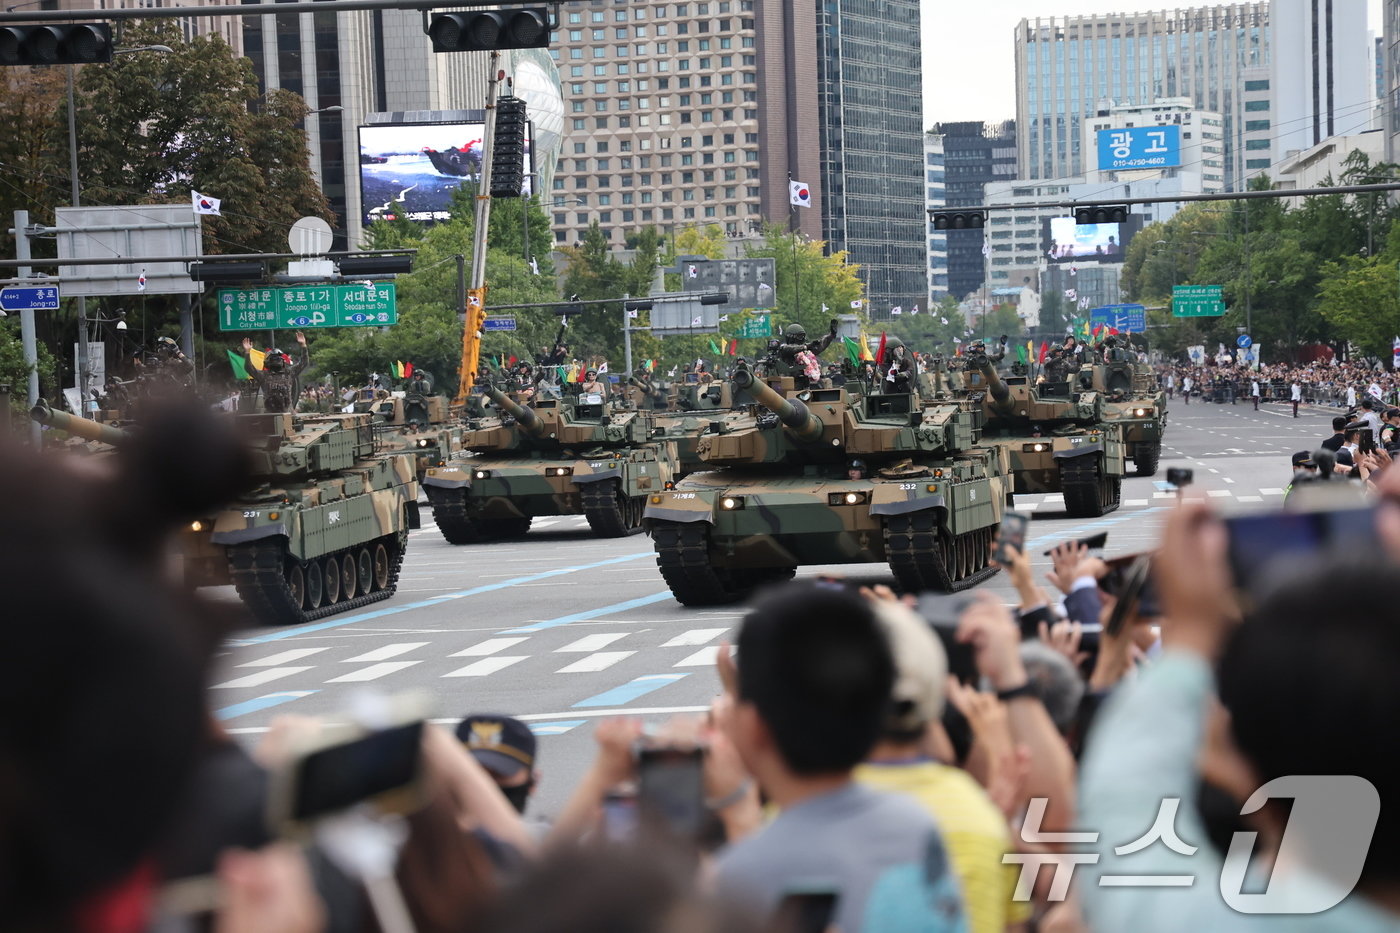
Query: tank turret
(999,401)
(804,425)
(528,421)
(78,427)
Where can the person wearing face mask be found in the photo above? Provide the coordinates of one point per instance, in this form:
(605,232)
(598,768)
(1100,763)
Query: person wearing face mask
(506,748)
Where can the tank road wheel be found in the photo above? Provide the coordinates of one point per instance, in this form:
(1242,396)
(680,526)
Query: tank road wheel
(348,577)
(501,529)
(610,514)
(296,584)
(315,584)
(1088,493)
(330,580)
(922,558)
(450,513)
(1145,458)
(683,555)
(364,570)
(381,566)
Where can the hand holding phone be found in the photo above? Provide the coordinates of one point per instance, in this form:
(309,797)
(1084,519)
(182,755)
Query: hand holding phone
(1012,534)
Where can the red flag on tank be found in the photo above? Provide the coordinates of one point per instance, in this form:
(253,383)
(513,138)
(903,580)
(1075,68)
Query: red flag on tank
(1044,352)
(880,353)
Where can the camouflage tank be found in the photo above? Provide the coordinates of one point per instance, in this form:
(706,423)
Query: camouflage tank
(95,437)
(690,408)
(778,494)
(576,455)
(1133,400)
(323,532)
(418,422)
(1054,434)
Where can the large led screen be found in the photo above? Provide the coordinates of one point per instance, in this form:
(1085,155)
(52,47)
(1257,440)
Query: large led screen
(412,169)
(1071,242)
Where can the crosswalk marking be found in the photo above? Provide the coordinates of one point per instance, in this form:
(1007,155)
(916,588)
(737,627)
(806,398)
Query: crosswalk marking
(1131,502)
(705,657)
(1164,495)
(260,678)
(373,672)
(1250,498)
(490,646)
(486,666)
(696,636)
(1271,492)
(1218,493)
(386,652)
(283,657)
(600,661)
(595,642)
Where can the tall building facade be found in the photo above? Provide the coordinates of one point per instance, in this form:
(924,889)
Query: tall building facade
(936,198)
(1069,68)
(1390,106)
(1322,83)
(870,124)
(1200,133)
(975,155)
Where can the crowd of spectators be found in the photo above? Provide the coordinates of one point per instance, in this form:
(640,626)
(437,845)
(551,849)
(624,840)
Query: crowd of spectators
(870,763)
(1338,385)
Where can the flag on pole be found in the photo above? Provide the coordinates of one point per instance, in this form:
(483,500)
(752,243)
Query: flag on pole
(651,366)
(695,321)
(240,371)
(602,369)
(852,352)
(1375,391)
(691,271)
(799,195)
(203,204)
(141,281)
(724,317)
(633,313)
(407,370)
(764,287)
(914,310)
(1395,353)
(1022,355)
(714,347)
(986,247)
(896,311)
(857,303)
(257,356)
(534,266)
(1073,270)
(734,347)
(1044,352)
(826,309)
(398,369)
(943,321)
(880,353)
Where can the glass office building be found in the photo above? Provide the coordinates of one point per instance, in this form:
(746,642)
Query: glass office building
(870,115)
(974,155)
(1069,68)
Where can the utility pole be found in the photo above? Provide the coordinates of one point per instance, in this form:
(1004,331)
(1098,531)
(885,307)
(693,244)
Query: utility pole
(626,337)
(84,364)
(28,341)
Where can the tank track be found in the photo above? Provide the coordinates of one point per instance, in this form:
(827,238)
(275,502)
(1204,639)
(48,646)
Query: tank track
(1146,458)
(450,515)
(609,514)
(259,575)
(1088,493)
(683,555)
(922,558)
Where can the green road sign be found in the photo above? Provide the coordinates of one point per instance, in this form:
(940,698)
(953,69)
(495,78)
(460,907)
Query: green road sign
(758,326)
(1198,300)
(298,306)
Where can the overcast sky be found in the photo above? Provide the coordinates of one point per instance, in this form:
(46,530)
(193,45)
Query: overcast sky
(969,55)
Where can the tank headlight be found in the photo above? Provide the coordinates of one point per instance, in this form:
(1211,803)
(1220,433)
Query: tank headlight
(196,526)
(931,488)
(558,471)
(668,485)
(655,500)
(731,503)
(424,442)
(481,474)
(836,442)
(1141,412)
(853,498)
(1038,448)
(1093,439)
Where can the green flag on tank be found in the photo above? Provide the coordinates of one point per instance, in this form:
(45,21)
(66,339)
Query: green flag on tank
(240,371)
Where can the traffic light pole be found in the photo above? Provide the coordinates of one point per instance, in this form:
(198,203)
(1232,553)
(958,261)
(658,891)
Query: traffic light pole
(80,378)
(28,341)
(483,189)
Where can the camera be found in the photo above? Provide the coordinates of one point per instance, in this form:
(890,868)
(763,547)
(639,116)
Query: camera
(1180,477)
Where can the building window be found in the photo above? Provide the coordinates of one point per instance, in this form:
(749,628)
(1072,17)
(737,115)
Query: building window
(1255,126)
(1254,163)
(1256,106)
(1256,144)
(1256,85)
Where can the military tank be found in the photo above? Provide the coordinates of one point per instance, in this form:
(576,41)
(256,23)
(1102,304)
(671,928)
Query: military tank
(1134,401)
(419,422)
(100,437)
(1054,434)
(778,493)
(576,455)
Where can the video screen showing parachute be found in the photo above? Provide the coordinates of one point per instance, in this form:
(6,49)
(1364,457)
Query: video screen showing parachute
(411,169)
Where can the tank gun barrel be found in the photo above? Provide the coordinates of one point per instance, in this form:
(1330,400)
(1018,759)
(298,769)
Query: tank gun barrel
(529,422)
(804,425)
(78,427)
(1001,395)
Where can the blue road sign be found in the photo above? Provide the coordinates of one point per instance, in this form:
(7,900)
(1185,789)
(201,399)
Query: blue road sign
(1244,341)
(500,323)
(1126,319)
(44,298)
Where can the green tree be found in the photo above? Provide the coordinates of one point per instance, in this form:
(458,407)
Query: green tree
(812,286)
(1360,298)
(15,371)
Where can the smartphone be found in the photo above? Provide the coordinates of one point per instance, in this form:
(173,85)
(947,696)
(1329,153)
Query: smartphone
(671,790)
(1012,534)
(1093,542)
(620,817)
(806,912)
(1367,441)
(1179,476)
(942,613)
(1263,545)
(383,767)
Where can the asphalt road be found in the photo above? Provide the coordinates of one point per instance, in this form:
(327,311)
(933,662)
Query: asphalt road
(562,629)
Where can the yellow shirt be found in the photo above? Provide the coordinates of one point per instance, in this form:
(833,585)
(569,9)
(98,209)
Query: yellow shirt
(974,833)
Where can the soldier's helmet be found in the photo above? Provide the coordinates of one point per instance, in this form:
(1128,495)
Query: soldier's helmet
(894,343)
(795,333)
(166,346)
(276,360)
(856,465)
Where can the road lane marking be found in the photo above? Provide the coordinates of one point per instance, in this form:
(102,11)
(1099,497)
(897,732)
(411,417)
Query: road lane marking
(599,661)
(633,689)
(260,703)
(433,601)
(260,678)
(556,728)
(593,642)
(1271,492)
(373,672)
(1135,501)
(1250,498)
(386,652)
(588,614)
(696,636)
(705,657)
(486,666)
(283,657)
(490,646)
(1218,493)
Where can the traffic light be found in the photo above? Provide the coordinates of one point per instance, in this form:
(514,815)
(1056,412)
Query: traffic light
(1104,214)
(68,44)
(487,30)
(358,266)
(228,271)
(959,220)
(508,150)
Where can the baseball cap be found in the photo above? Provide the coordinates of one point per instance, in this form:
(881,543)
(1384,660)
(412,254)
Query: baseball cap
(921,668)
(501,744)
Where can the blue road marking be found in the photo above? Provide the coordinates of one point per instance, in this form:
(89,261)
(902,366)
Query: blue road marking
(626,693)
(433,601)
(556,728)
(1078,531)
(260,703)
(589,614)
